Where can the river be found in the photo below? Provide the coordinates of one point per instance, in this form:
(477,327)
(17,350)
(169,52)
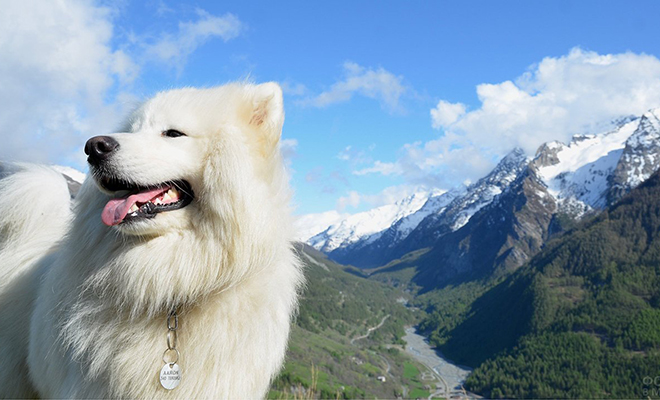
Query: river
(449,374)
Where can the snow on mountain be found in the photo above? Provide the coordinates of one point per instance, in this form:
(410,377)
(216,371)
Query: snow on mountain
(596,170)
(434,205)
(640,157)
(577,174)
(310,225)
(484,191)
(371,249)
(367,223)
(587,174)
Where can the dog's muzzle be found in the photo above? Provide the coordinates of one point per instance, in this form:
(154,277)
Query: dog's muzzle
(99,149)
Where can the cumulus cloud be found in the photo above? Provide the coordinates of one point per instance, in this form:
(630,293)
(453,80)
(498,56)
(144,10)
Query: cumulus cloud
(378,84)
(560,97)
(175,48)
(445,113)
(65,76)
(57,66)
(552,100)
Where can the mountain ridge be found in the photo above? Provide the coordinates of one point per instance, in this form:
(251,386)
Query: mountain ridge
(580,319)
(582,177)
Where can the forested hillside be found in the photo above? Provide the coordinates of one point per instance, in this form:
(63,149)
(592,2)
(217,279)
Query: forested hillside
(581,319)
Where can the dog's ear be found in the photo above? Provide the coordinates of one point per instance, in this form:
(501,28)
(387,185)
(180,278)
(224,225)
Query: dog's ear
(266,112)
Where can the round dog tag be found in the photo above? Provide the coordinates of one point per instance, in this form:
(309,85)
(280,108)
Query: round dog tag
(170,376)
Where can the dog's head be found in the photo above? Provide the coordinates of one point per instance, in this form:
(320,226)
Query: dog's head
(188,153)
(194,194)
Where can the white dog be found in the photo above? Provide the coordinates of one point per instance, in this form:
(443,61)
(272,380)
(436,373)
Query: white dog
(173,265)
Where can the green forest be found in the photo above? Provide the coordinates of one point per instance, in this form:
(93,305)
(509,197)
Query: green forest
(580,320)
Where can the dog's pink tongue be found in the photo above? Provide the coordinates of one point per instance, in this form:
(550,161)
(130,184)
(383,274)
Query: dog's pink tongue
(115,211)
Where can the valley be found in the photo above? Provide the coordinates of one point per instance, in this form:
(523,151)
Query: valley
(449,378)
(350,341)
(542,277)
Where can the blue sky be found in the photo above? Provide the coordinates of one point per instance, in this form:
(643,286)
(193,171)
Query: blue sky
(360,79)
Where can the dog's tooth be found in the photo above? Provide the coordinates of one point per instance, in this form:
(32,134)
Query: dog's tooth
(133,208)
(167,196)
(157,201)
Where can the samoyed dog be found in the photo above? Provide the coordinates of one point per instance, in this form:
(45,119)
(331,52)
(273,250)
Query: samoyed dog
(171,273)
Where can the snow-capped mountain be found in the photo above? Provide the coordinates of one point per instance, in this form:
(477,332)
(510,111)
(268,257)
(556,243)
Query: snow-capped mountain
(573,180)
(440,214)
(369,224)
(640,156)
(480,194)
(310,225)
(371,249)
(577,174)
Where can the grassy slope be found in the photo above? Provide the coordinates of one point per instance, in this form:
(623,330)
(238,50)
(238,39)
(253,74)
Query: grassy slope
(336,307)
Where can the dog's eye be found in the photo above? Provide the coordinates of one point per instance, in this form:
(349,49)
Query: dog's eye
(173,133)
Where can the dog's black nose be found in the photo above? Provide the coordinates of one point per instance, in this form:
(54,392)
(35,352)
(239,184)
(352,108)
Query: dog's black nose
(99,148)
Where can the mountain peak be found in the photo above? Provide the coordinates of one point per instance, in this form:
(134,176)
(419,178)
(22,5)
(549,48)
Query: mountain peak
(640,157)
(367,224)
(515,155)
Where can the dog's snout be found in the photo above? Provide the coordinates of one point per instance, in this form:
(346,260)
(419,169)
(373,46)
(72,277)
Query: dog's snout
(99,148)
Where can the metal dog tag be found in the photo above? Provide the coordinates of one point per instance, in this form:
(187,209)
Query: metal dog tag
(170,376)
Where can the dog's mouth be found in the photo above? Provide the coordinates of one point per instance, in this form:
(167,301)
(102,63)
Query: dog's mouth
(143,202)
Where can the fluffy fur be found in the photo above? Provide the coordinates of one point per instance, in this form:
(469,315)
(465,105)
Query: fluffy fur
(83,306)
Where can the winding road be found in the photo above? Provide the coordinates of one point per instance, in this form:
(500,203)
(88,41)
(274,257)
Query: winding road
(373,328)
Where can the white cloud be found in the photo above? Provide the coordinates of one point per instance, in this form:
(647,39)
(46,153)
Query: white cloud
(560,97)
(381,168)
(352,199)
(553,100)
(163,9)
(293,88)
(57,66)
(175,48)
(445,113)
(63,78)
(378,84)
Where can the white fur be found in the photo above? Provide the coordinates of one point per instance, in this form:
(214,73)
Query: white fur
(98,323)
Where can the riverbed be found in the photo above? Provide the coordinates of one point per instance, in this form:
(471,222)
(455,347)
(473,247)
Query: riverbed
(418,346)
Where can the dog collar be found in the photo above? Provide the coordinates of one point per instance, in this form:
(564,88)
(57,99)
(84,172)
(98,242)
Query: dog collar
(170,374)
